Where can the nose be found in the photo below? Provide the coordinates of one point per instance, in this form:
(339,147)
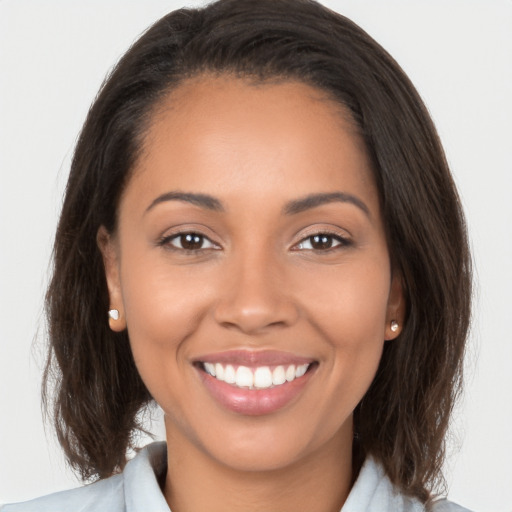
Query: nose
(255,297)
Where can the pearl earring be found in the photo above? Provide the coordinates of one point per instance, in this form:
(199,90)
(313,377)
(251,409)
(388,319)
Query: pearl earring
(394,325)
(113,314)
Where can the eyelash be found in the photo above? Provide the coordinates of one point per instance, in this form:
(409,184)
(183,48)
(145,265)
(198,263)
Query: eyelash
(166,241)
(323,237)
(314,238)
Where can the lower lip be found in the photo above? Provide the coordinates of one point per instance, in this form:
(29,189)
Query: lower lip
(255,402)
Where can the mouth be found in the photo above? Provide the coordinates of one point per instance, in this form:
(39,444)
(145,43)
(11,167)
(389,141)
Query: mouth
(255,383)
(260,377)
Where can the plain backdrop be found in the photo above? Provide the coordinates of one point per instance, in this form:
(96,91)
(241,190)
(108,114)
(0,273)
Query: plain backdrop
(53,58)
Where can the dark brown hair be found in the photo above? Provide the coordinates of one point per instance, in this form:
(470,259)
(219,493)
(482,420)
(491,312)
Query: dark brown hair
(403,418)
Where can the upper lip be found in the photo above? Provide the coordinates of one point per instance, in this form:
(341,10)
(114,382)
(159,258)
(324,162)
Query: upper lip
(254,358)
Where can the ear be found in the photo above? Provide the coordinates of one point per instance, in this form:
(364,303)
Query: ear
(395,314)
(110,252)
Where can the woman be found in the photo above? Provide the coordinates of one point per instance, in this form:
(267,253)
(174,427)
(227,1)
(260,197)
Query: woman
(260,201)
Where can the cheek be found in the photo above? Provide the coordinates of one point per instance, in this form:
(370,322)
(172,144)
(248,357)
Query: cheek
(161,303)
(349,302)
(348,307)
(162,307)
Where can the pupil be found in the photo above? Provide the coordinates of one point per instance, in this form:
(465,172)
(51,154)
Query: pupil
(321,242)
(191,241)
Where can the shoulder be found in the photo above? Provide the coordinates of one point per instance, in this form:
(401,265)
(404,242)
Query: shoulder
(374,491)
(136,488)
(103,495)
(445,506)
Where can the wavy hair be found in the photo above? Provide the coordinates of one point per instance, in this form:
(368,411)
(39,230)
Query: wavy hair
(91,384)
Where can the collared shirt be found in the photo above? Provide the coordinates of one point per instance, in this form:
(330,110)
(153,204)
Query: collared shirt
(136,489)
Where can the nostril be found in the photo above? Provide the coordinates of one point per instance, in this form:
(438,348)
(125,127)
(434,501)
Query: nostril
(251,320)
(254,299)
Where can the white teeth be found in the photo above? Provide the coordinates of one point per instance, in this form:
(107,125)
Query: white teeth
(229,375)
(261,377)
(219,371)
(300,371)
(210,368)
(290,373)
(244,377)
(278,376)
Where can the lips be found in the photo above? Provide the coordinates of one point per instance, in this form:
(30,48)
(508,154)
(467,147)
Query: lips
(255,383)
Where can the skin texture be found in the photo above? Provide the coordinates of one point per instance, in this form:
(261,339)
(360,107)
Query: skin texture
(254,283)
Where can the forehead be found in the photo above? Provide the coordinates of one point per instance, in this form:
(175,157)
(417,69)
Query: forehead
(228,136)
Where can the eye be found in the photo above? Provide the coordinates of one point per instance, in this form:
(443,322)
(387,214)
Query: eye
(188,242)
(321,242)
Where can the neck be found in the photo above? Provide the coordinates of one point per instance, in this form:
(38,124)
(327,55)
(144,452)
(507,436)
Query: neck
(319,482)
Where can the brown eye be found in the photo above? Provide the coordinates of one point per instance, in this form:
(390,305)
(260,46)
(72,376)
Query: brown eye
(189,242)
(322,242)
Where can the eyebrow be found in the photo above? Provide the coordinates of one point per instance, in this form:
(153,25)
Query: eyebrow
(314,200)
(202,200)
(291,208)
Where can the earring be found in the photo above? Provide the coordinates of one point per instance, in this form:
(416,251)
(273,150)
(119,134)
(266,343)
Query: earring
(394,325)
(113,314)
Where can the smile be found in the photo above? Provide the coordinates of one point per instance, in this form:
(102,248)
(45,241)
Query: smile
(260,377)
(255,382)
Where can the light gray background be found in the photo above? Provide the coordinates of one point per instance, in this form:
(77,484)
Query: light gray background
(53,57)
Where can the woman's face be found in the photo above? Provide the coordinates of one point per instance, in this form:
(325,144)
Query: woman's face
(251,249)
